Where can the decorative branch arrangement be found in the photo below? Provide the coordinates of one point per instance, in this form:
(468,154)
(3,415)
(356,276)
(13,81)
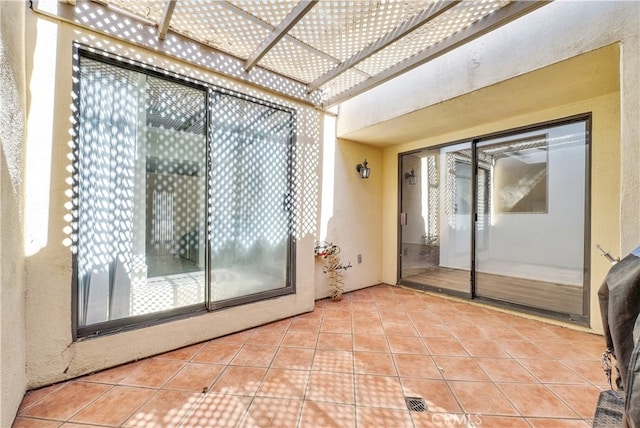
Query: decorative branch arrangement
(329,252)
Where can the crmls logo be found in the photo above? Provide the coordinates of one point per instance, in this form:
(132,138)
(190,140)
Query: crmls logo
(453,420)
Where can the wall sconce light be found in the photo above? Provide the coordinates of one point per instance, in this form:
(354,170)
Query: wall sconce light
(411,177)
(363,169)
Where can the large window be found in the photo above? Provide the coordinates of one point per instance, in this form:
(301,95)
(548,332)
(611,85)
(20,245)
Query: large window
(182,196)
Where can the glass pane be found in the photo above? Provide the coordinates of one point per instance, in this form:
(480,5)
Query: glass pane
(436,207)
(531,214)
(175,216)
(251,223)
(141,216)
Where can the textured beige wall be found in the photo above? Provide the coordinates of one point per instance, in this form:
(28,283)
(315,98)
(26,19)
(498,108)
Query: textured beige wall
(605,186)
(352,215)
(12,286)
(554,33)
(514,77)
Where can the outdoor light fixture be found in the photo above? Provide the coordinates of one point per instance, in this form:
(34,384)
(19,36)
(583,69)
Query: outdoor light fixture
(411,177)
(363,169)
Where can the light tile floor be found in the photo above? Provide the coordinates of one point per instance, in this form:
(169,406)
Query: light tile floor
(349,364)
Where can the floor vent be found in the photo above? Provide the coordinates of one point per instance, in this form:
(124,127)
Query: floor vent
(416,404)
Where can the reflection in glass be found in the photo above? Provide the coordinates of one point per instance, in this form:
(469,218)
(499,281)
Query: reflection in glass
(183,198)
(436,238)
(528,220)
(141,189)
(534,244)
(251,198)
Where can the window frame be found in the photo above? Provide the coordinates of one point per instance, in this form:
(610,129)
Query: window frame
(140,321)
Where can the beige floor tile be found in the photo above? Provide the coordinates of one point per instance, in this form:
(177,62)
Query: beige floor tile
(445,346)
(370,343)
(333,361)
(184,354)
(153,372)
(460,368)
(22,422)
(551,371)
(331,387)
(239,380)
(407,345)
(64,402)
(583,399)
(217,353)
(254,356)
(557,423)
(535,400)
(374,363)
(375,417)
(284,383)
(349,363)
(315,414)
(436,394)
(335,341)
(115,406)
(379,391)
(482,348)
(294,358)
(272,412)
(195,377)
(482,398)
(218,411)
(505,370)
(300,339)
(421,366)
(164,409)
(266,338)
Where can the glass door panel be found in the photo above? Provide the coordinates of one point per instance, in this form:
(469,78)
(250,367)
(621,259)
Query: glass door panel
(251,195)
(185,197)
(530,225)
(141,197)
(435,229)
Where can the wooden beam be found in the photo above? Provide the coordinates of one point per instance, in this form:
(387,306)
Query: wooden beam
(394,35)
(163,27)
(296,14)
(500,17)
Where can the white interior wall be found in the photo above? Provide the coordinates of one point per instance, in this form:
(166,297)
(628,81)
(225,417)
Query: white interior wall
(552,239)
(13,95)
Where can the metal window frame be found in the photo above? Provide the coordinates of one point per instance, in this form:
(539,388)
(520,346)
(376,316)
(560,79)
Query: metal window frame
(580,319)
(140,321)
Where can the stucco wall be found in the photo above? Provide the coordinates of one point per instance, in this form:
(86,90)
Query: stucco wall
(486,68)
(553,33)
(352,214)
(605,151)
(52,355)
(12,286)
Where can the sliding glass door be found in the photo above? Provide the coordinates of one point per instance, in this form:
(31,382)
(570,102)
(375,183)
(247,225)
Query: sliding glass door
(436,218)
(502,218)
(141,193)
(251,194)
(183,196)
(531,229)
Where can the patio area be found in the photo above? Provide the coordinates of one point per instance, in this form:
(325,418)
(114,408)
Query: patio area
(351,363)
